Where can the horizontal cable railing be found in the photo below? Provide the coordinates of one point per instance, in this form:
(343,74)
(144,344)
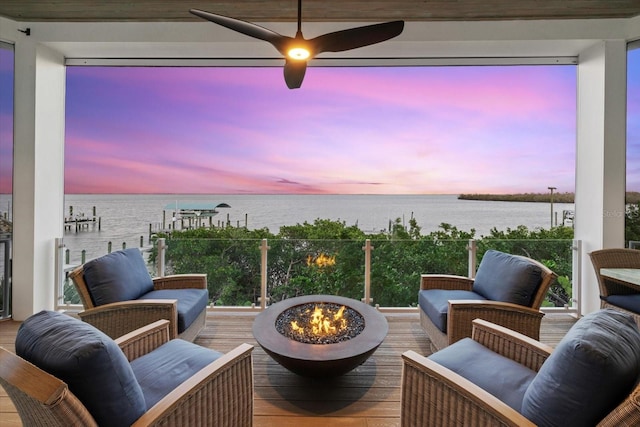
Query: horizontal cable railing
(252,273)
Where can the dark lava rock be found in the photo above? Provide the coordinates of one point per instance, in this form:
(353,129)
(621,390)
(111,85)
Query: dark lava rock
(302,314)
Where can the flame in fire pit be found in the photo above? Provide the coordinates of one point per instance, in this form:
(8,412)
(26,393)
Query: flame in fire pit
(320,323)
(323,322)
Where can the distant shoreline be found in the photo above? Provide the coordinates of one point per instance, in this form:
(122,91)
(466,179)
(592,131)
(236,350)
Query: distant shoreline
(632,197)
(521,197)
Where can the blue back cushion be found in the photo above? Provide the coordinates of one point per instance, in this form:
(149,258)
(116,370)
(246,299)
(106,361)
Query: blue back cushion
(93,366)
(593,368)
(118,276)
(507,278)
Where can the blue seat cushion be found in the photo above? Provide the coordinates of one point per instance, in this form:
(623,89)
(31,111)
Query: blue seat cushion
(118,276)
(168,366)
(191,302)
(629,302)
(435,303)
(93,366)
(502,377)
(507,278)
(593,368)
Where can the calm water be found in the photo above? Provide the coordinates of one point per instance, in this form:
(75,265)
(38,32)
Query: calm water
(125,218)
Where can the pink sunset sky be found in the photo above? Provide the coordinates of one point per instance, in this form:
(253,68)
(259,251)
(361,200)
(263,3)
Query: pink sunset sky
(385,130)
(392,130)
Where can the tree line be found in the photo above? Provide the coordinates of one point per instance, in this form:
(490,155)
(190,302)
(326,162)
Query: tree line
(327,257)
(631,197)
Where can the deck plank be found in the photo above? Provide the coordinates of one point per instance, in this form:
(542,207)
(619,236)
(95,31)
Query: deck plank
(368,396)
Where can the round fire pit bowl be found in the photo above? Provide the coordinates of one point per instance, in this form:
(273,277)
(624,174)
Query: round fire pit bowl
(320,360)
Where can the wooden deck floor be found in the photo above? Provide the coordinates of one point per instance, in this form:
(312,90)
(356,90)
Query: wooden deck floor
(368,396)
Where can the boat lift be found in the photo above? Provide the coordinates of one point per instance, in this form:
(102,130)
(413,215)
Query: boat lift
(191,214)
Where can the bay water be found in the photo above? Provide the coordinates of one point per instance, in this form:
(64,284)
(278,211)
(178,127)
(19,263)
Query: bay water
(128,219)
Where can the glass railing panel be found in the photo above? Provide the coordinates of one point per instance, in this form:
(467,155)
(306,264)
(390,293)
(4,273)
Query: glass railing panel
(69,294)
(77,252)
(311,267)
(232,267)
(396,266)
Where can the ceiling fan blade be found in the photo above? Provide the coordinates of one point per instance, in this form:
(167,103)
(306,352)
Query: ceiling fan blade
(247,28)
(290,47)
(294,73)
(354,38)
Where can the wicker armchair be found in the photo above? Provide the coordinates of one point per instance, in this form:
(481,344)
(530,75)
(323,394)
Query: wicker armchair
(434,395)
(466,305)
(117,315)
(220,394)
(616,294)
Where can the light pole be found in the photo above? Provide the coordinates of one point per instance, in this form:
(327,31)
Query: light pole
(551,189)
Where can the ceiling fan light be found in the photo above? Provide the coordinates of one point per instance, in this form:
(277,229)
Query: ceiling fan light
(298,53)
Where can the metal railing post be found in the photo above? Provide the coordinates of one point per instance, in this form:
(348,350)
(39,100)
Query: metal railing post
(59,270)
(367,248)
(472,247)
(162,248)
(264,248)
(576,275)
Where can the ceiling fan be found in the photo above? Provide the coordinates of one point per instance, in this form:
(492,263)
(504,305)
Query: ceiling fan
(298,50)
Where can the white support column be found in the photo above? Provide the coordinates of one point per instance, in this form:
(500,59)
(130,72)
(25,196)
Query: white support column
(601,157)
(38,193)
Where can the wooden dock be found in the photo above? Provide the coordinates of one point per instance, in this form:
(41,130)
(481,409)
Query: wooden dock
(365,397)
(81,221)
